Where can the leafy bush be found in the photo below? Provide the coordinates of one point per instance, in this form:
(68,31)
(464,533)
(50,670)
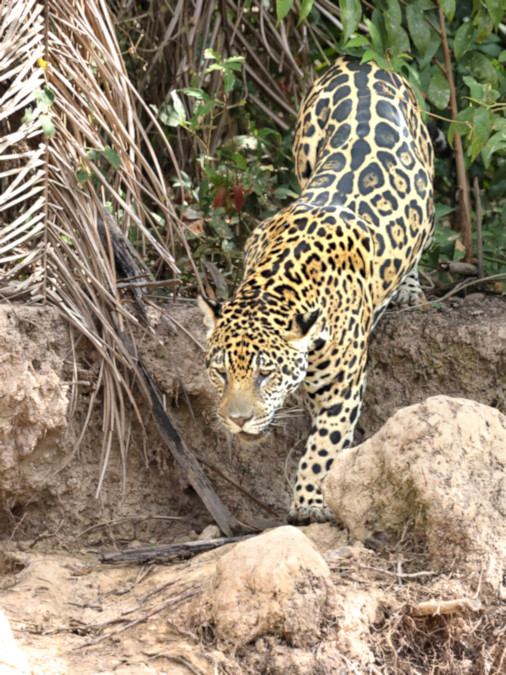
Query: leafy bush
(241,181)
(231,83)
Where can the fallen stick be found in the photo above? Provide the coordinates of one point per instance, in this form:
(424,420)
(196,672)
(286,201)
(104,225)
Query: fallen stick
(458,267)
(182,453)
(146,553)
(128,265)
(434,607)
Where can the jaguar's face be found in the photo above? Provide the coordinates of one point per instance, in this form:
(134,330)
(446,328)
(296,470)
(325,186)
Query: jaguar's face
(254,368)
(252,383)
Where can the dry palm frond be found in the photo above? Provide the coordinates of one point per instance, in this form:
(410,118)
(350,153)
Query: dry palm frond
(70,143)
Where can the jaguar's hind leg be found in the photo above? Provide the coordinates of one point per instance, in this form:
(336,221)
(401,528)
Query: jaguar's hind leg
(409,292)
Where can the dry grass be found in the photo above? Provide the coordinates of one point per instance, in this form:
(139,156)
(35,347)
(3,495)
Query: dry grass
(50,249)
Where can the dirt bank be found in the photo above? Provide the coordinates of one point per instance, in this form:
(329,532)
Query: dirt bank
(57,596)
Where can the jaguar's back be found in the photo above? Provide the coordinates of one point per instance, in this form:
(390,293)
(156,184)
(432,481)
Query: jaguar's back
(360,143)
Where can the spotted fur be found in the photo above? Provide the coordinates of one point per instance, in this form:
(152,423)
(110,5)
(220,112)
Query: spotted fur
(319,274)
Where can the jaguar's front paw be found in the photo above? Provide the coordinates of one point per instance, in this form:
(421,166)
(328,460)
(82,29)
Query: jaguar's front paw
(315,513)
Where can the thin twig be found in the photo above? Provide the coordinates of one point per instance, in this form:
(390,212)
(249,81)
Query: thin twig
(479,223)
(464,210)
(146,553)
(435,607)
(242,490)
(405,575)
(145,617)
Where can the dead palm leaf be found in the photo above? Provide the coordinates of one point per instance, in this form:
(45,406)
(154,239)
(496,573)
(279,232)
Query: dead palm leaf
(70,144)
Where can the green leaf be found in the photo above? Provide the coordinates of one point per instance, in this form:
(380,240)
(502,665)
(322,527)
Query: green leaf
(282,8)
(213,66)
(448,7)
(484,26)
(418,28)
(371,55)
(28,116)
(228,81)
(496,9)
(481,132)
(495,143)
(351,13)
(201,111)
(422,5)
(176,116)
(113,157)
(44,99)
(475,89)
(358,41)
(48,128)
(94,155)
(305,8)
(463,39)
(463,123)
(397,36)
(211,54)
(376,41)
(502,56)
(234,59)
(438,92)
(442,210)
(434,44)
(481,67)
(220,226)
(194,92)
(393,16)
(82,176)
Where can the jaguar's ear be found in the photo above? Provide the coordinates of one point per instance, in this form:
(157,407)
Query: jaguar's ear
(211,311)
(303,329)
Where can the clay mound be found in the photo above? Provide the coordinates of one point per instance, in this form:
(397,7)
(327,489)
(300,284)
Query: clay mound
(33,399)
(276,591)
(276,584)
(438,469)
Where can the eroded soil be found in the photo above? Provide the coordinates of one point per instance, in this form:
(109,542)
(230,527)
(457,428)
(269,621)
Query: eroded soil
(58,596)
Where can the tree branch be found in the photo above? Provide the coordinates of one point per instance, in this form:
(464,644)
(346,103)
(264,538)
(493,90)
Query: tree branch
(463,212)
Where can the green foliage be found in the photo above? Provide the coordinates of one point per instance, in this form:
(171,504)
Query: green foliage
(44,99)
(104,159)
(238,182)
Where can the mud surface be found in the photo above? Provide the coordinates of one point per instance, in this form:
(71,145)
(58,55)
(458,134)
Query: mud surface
(57,596)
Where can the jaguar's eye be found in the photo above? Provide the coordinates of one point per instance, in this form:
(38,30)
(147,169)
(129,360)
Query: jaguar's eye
(221,373)
(263,375)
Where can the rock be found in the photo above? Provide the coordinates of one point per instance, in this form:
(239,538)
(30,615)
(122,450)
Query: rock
(210,532)
(440,468)
(12,660)
(277,584)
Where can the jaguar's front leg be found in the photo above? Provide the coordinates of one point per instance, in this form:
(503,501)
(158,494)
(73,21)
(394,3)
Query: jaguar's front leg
(337,404)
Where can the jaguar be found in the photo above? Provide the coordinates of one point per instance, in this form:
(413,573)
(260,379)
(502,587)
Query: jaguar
(319,274)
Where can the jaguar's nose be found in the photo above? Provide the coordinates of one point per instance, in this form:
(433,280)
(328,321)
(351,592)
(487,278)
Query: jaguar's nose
(240,421)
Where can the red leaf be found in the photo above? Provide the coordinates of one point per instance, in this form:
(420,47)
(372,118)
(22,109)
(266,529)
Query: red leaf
(219,199)
(238,197)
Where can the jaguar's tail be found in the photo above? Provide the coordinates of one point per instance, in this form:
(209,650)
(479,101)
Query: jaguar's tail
(442,148)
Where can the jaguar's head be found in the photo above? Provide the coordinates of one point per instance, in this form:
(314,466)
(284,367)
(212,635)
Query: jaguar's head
(255,362)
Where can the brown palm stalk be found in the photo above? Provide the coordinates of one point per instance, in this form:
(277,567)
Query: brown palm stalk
(70,145)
